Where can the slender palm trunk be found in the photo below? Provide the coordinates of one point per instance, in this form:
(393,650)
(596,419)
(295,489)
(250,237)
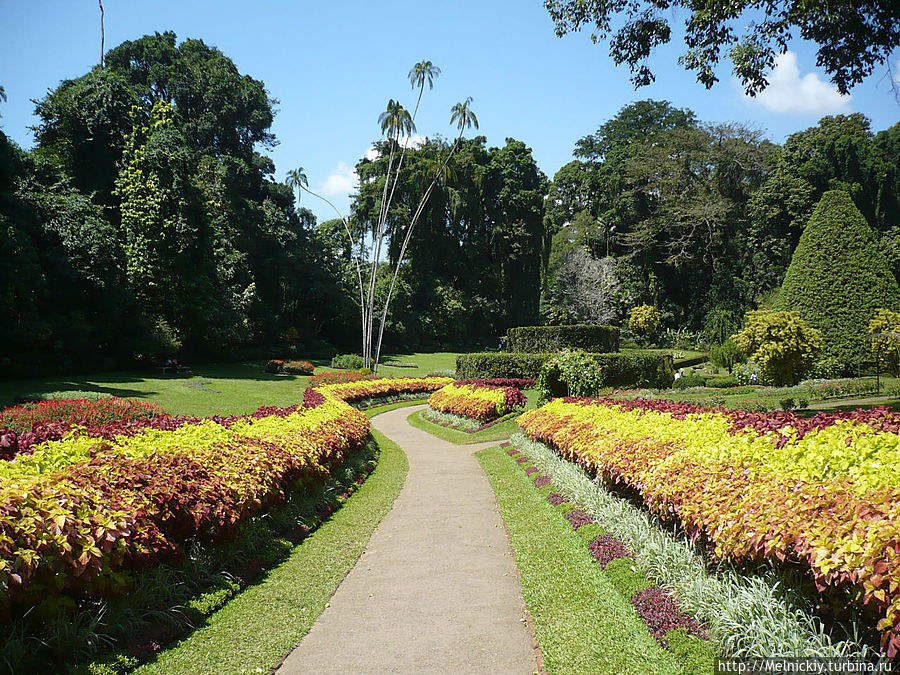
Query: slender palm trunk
(102,35)
(409,230)
(359,276)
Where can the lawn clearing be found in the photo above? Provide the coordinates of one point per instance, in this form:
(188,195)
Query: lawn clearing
(212,389)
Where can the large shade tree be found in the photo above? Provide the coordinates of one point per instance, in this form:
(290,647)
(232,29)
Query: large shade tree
(852,38)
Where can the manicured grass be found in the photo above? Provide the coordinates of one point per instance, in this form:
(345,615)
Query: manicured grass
(216,389)
(256,629)
(582,623)
(499,432)
(425,362)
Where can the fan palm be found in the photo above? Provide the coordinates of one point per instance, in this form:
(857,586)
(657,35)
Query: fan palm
(462,116)
(396,121)
(296,180)
(420,74)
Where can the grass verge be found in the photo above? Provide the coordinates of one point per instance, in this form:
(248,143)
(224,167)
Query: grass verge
(263,623)
(582,623)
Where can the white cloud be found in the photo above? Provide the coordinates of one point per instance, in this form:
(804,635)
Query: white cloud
(897,72)
(342,181)
(789,92)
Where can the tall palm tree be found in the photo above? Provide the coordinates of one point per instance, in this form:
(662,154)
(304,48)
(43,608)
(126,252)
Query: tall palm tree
(296,180)
(420,74)
(462,116)
(396,120)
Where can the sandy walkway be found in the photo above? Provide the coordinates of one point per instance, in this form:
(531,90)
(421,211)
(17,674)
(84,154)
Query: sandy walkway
(436,590)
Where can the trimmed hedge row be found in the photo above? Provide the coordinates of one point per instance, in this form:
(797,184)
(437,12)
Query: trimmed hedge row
(652,371)
(539,339)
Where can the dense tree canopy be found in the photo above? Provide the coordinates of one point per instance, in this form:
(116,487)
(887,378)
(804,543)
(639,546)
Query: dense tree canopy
(146,223)
(853,38)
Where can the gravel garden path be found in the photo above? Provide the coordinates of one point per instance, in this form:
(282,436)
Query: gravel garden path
(436,590)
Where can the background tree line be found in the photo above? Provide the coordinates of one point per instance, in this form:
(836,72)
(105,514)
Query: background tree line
(147,222)
(701,220)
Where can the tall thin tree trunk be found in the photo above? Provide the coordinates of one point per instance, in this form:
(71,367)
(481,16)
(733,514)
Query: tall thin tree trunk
(102,36)
(406,240)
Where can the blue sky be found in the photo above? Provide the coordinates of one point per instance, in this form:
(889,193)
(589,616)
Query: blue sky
(333,66)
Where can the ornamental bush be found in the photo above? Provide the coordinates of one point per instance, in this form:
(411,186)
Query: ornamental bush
(886,321)
(644,320)
(570,373)
(838,278)
(347,361)
(537,339)
(644,370)
(781,344)
(726,355)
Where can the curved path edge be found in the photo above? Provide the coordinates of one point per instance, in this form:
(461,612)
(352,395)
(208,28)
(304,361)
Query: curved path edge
(437,588)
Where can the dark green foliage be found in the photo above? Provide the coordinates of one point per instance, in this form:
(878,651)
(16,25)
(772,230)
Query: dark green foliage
(689,381)
(570,373)
(648,371)
(654,371)
(723,382)
(536,339)
(504,364)
(851,42)
(726,355)
(838,278)
(347,361)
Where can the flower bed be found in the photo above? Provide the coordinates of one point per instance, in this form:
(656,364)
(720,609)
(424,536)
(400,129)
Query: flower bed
(820,491)
(481,400)
(22,418)
(290,367)
(332,377)
(79,513)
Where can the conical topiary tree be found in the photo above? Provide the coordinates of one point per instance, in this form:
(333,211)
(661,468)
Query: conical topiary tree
(838,278)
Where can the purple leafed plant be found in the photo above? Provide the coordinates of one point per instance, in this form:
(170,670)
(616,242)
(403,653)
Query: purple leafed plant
(579,518)
(556,499)
(606,549)
(660,611)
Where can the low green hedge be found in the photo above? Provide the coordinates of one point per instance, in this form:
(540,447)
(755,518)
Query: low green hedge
(652,371)
(539,339)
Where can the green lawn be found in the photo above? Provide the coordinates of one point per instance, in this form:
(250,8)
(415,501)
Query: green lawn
(262,624)
(216,389)
(582,623)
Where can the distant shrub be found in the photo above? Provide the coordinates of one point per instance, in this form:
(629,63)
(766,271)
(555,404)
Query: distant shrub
(781,343)
(542,339)
(838,278)
(689,381)
(825,369)
(724,382)
(644,320)
(743,372)
(347,361)
(886,321)
(649,370)
(443,372)
(726,355)
(570,373)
